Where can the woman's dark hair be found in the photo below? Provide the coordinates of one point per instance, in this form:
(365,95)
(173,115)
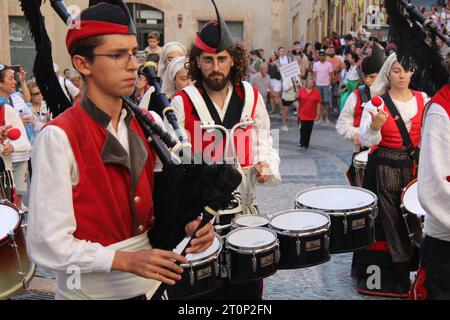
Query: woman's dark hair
(354,56)
(3,72)
(256,53)
(238,71)
(318,46)
(347,65)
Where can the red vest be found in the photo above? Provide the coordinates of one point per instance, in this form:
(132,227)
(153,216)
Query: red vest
(442,98)
(358,109)
(103,202)
(391,137)
(204,142)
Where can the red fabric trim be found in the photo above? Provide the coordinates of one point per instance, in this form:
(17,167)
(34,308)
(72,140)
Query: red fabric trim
(383,294)
(448,179)
(418,290)
(89,28)
(442,98)
(202,46)
(2,114)
(379,246)
(358,110)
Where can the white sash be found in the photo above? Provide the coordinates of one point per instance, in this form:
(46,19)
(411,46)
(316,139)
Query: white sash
(115,285)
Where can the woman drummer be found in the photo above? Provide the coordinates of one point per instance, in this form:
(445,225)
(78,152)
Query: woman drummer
(384,267)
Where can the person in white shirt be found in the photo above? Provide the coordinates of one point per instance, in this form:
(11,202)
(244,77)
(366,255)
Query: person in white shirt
(433,278)
(392,130)
(69,89)
(9,117)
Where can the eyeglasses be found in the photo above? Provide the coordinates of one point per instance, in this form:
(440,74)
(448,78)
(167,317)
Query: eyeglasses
(122,60)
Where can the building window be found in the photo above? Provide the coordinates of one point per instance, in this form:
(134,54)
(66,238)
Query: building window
(236,28)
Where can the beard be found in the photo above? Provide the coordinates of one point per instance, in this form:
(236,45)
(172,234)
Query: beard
(214,84)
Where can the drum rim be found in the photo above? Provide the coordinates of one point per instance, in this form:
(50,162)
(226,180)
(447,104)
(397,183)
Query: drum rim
(234,224)
(248,250)
(403,206)
(5,239)
(341,212)
(208,259)
(300,233)
(17,288)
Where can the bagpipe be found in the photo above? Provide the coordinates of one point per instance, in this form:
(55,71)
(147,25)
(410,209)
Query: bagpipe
(415,37)
(186,188)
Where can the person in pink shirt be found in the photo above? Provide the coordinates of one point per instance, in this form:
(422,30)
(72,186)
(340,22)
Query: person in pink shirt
(323,75)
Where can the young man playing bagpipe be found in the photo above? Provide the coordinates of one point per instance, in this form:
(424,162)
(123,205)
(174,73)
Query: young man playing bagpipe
(97,160)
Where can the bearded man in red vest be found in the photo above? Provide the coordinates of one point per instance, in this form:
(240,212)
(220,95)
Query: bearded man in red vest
(220,97)
(92,229)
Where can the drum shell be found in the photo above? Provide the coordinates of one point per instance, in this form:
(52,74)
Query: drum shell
(11,281)
(240,264)
(359,231)
(235,224)
(358,234)
(206,280)
(314,250)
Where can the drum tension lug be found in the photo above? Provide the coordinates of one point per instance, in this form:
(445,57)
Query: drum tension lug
(228,258)
(345,224)
(254,262)
(191,276)
(277,253)
(298,246)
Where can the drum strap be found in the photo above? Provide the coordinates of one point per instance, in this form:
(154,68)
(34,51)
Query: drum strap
(407,143)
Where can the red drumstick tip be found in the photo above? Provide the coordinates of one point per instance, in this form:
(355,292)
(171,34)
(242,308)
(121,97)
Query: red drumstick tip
(377,101)
(14,134)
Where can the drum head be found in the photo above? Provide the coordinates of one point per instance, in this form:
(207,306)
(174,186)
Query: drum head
(336,198)
(299,221)
(9,218)
(213,249)
(411,201)
(251,238)
(362,157)
(251,220)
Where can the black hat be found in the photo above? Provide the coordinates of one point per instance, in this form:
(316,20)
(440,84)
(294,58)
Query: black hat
(214,36)
(374,63)
(102,17)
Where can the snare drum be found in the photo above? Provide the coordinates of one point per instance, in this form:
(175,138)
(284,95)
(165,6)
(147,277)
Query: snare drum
(304,238)
(413,213)
(249,220)
(201,274)
(251,254)
(16,270)
(360,163)
(352,212)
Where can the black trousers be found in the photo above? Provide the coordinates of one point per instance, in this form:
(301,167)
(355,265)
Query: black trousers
(433,278)
(305,132)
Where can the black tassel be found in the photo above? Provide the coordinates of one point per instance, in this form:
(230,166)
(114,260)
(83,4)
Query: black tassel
(46,79)
(416,50)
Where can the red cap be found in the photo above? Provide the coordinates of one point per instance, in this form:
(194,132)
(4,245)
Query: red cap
(13,134)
